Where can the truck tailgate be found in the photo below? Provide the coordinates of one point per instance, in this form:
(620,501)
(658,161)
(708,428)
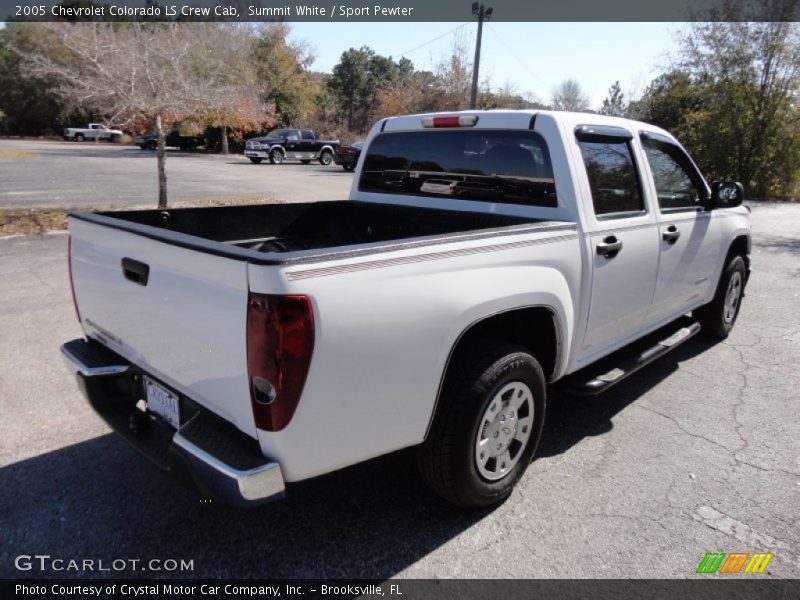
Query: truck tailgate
(178,314)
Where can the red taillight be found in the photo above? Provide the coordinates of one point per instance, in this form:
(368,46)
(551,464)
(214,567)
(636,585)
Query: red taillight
(71,278)
(280,340)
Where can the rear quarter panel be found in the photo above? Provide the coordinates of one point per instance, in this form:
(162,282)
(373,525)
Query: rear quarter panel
(385,326)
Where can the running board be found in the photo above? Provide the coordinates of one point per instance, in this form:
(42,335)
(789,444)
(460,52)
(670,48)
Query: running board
(588,382)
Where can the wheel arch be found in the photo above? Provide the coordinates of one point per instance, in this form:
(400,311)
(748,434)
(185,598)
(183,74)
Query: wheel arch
(741,244)
(537,327)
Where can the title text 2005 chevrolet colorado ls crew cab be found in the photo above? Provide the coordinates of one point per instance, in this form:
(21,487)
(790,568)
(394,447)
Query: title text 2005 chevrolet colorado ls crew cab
(481,257)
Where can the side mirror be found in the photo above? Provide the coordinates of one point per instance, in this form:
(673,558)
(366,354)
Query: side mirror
(726,194)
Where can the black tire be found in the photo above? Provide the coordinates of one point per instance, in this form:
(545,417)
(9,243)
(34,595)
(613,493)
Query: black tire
(717,318)
(114,139)
(448,458)
(326,157)
(348,168)
(79,137)
(152,145)
(305,162)
(255,160)
(276,156)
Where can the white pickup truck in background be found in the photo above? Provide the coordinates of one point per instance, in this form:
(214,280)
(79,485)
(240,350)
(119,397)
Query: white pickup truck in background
(93,131)
(482,257)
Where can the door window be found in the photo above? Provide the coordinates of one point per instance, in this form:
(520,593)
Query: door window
(612,177)
(678,185)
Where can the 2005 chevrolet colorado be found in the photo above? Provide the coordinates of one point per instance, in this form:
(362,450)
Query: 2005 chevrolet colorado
(481,258)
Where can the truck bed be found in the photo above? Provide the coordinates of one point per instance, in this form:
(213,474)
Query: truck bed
(286,233)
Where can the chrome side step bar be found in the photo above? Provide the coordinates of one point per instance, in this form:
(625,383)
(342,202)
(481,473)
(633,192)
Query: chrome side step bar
(579,385)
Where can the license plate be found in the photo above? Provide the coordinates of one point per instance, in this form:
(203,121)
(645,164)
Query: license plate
(162,402)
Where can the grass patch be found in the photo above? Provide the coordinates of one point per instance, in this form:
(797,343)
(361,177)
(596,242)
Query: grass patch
(12,154)
(31,221)
(234,201)
(36,221)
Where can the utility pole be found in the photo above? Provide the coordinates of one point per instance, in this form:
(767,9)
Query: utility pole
(483,14)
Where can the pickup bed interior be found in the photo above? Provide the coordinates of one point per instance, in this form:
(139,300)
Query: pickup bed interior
(281,228)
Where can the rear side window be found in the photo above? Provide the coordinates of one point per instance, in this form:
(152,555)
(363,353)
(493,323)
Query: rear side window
(307,135)
(506,166)
(612,177)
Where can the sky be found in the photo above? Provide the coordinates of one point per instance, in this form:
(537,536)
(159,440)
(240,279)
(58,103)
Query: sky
(534,57)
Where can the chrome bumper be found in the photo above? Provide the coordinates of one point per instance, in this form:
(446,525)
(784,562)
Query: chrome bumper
(251,481)
(256,154)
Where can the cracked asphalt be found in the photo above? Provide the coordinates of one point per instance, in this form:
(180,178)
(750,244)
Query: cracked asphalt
(699,452)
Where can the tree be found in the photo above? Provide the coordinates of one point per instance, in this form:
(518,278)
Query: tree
(160,72)
(614,102)
(350,80)
(30,107)
(283,68)
(568,95)
(748,80)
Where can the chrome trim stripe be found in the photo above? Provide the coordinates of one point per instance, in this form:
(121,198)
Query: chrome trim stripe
(76,364)
(404,260)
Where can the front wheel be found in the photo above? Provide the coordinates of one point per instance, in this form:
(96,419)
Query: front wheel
(152,145)
(487,426)
(276,157)
(114,139)
(79,137)
(255,161)
(326,157)
(718,317)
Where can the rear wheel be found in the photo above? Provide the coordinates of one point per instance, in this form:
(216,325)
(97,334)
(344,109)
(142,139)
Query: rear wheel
(348,167)
(718,317)
(487,426)
(326,157)
(255,161)
(276,156)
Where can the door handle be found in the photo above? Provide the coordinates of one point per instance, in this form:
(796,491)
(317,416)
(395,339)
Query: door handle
(135,271)
(671,235)
(610,246)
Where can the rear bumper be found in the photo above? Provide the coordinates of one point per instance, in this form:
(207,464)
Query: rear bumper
(219,460)
(345,159)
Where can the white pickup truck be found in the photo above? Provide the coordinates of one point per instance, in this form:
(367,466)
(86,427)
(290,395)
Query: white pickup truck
(93,131)
(482,257)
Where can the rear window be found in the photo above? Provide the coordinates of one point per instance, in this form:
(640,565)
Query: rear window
(506,166)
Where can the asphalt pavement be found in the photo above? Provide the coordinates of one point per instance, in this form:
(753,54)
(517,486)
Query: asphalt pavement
(36,173)
(699,452)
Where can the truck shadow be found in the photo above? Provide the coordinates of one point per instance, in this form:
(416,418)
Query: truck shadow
(571,419)
(99,499)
